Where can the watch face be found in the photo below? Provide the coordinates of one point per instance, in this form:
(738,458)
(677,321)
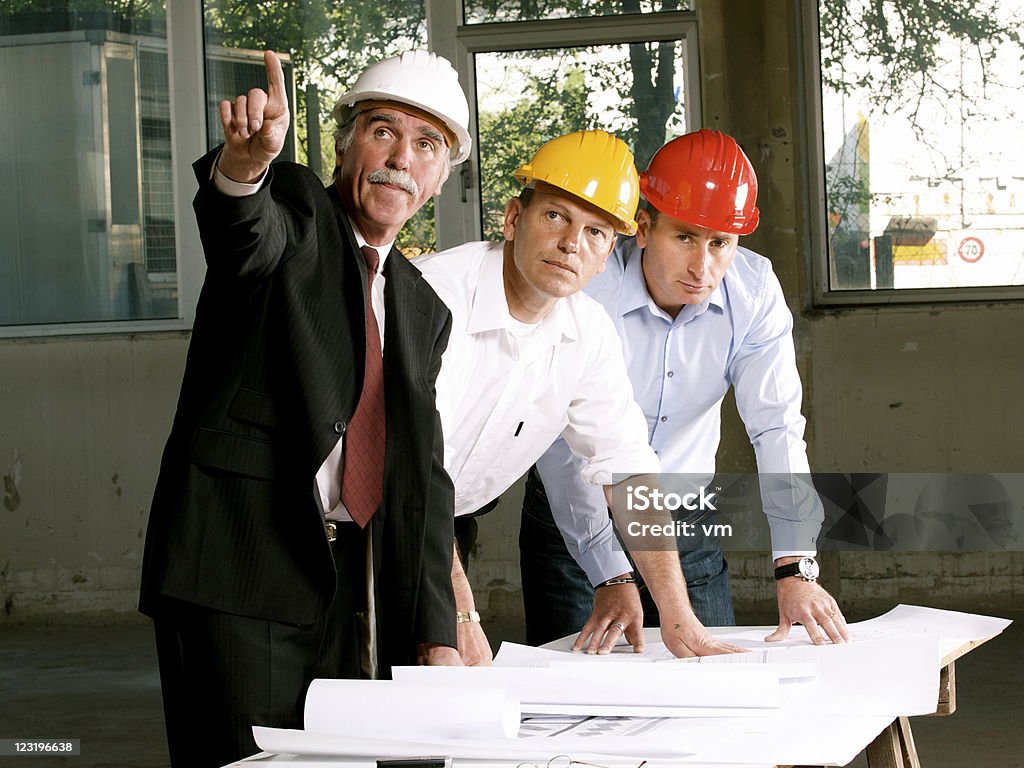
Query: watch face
(809,568)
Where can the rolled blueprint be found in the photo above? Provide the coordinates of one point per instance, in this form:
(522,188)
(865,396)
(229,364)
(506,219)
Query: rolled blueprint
(388,708)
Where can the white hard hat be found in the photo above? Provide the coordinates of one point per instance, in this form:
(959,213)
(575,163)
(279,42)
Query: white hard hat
(421,79)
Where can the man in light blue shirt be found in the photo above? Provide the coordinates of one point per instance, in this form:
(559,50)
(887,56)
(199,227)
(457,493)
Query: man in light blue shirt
(696,314)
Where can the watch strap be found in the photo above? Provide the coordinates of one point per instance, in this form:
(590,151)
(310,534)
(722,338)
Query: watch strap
(787,570)
(797,568)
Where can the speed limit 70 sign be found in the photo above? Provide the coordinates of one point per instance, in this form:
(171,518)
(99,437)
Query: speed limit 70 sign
(971,249)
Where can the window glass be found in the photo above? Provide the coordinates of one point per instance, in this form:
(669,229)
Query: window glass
(525,98)
(924,176)
(485,11)
(323,46)
(85,205)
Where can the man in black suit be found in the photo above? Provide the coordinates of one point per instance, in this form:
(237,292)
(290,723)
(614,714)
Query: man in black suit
(256,574)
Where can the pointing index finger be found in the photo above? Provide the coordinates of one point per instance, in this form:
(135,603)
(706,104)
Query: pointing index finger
(275,77)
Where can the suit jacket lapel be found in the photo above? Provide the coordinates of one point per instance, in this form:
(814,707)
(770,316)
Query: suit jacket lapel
(404,311)
(407,346)
(345,225)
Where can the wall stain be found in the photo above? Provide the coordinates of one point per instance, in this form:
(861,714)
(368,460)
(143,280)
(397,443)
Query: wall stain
(12,479)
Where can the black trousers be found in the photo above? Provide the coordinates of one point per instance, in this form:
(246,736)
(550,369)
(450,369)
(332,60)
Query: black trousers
(221,674)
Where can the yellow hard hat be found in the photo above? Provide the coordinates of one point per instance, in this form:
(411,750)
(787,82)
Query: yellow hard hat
(594,166)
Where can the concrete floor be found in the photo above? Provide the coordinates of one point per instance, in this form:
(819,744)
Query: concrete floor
(99,684)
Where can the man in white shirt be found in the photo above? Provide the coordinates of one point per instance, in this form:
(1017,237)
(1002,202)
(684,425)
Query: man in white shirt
(530,357)
(696,314)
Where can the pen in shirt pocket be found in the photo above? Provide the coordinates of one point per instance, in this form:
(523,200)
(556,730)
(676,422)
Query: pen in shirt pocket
(518,429)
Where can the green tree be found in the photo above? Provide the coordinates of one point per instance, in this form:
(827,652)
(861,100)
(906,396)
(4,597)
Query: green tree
(126,9)
(917,58)
(893,48)
(329,42)
(509,137)
(646,82)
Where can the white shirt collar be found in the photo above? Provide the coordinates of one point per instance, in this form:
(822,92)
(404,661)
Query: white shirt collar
(634,293)
(490,312)
(382,250)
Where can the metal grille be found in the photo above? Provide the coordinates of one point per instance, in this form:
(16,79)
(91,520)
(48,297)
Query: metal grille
(157,188)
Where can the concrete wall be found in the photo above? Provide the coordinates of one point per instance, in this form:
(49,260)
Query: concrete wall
(82,425)
(926,388)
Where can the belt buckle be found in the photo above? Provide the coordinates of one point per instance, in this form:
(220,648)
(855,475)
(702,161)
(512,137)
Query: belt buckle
(332,531)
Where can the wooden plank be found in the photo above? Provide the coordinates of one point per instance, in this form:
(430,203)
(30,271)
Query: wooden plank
(961,650)
(947,690)
(886,751)
(908,749)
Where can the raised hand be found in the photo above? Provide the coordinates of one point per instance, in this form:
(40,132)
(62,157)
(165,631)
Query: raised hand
(255,126)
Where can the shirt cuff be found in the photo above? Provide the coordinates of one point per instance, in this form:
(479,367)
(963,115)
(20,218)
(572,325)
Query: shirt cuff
(807,553)
(794,537)
(602,559)
(610,469)
(233,188)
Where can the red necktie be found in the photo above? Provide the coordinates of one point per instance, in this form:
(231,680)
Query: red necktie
(362,480)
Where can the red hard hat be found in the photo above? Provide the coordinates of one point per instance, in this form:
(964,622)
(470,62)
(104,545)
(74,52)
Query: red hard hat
(704,179)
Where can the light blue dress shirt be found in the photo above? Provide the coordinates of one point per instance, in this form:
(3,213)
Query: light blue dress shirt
(681,369)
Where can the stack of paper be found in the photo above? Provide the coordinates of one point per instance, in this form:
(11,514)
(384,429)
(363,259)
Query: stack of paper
(789,703)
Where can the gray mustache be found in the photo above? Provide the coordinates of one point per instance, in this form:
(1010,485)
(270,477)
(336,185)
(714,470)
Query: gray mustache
(398,178)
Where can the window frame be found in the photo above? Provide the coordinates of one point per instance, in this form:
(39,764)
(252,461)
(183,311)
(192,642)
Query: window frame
(458,215)
(458,208)
(816,208)
(188,141)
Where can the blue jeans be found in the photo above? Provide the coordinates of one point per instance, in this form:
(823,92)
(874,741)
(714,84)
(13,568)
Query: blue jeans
(558,596)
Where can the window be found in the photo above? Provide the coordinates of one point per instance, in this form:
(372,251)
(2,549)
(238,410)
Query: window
(488,11)
(88,232)
(324,46)
(636,78)
(525,98)
(96,209)
(923,174)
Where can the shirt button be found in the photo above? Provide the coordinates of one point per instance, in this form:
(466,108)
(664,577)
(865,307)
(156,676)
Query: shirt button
(339,427)
(664,418)
(670,374)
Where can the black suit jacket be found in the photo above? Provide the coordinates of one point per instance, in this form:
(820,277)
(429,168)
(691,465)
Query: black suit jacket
(273,375)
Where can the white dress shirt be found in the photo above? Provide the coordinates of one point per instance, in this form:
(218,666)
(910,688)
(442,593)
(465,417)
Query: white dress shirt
(681,369)
(506,390)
